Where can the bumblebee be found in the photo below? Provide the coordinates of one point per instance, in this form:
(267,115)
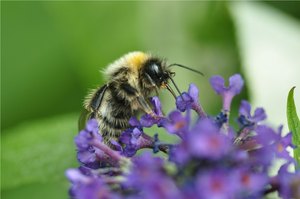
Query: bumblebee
(131,80)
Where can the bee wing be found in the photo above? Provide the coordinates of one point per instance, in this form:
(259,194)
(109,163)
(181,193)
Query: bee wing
(94,103)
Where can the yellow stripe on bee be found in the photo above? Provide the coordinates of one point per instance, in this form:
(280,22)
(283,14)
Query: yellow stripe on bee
(137,59)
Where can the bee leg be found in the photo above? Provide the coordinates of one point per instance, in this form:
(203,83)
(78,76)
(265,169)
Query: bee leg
(145,106)
(156,91)
(140,99)
(153,84)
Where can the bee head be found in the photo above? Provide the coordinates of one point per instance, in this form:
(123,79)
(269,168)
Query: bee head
(156,72)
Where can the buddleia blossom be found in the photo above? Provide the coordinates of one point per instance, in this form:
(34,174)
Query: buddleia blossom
(235,86)
(211,160)
(89,186)
(149,179)
(177,123)
(245,118)
(288,183)
(135,139)
(190,100)
(148,120)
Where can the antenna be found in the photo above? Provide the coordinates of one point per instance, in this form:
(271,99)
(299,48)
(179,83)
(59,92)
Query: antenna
(188,68)
(176,88)
(171,90)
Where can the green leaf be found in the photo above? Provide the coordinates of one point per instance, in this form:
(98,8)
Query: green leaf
(38,152)
(294,125)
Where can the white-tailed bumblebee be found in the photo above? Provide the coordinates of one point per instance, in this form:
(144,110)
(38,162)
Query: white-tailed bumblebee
(130,82)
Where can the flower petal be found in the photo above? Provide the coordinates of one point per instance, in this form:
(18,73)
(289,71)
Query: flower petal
(236,83)
(157,105)
(245,108)
(184,102)
(194,92)
(259,115)
(217,82)
(133,121)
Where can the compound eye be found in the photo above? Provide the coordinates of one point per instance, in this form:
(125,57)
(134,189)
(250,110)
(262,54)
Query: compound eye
(155,69)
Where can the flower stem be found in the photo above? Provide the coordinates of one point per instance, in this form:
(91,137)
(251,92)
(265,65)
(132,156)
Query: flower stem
(111,153)
(198,108)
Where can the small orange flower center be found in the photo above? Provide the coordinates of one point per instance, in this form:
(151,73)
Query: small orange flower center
(179,124)
(245,179)
(214,142)
(217,186)
(280,147)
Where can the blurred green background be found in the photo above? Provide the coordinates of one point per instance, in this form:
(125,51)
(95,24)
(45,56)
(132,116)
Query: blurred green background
(51,55)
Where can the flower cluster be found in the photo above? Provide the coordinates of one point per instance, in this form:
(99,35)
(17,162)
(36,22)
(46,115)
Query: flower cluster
(211,160)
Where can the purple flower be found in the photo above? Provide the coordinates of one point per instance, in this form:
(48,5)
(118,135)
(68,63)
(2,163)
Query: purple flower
(221,119)
(88,187)
(85,136)
(184,101)
(248,122)
(149,178)
(134,122)
(211,160)
(91,151)
(177,123)
(249,182)
(212,146)
(289,183)
(216,184)
(265,135)
(190,101)
(281,144)
(261,152)
(180,153)
(276,143)
(207,142)
(116,145)
(75,176)
(86,153)
(144,166)
(246,119)
(134,139)
(148,120)
(157,106)
(235,86)
(203,141)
